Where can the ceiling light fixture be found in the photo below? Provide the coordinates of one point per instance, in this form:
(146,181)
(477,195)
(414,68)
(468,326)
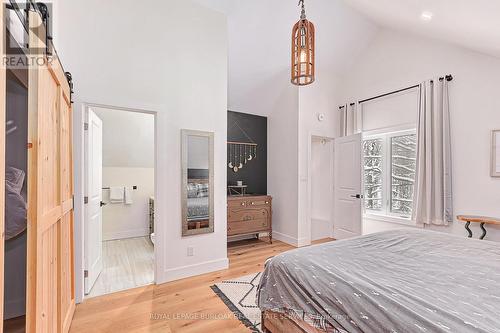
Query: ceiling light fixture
(426,16)
(303,50)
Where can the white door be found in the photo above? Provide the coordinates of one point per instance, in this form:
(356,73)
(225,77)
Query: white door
(93,199)
(348,195)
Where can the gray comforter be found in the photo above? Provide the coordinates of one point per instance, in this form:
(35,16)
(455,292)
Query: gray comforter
(396,281)
(198,208)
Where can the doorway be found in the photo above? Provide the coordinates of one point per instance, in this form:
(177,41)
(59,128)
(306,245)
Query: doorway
(119,187)
(321,190)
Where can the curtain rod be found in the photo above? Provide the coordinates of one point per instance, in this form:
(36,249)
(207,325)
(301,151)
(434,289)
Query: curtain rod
(447,77)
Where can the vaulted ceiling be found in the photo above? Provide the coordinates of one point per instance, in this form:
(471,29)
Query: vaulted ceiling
(474,24)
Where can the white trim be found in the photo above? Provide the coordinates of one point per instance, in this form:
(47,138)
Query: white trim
(79,181)
(386,135)
(194,270)
(304,241)
(286,238)
(389,130)
(494,157)
(390,219)
(301,242)
(131,233)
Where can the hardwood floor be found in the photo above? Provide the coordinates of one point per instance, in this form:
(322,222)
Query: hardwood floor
(127,263)
(184,306)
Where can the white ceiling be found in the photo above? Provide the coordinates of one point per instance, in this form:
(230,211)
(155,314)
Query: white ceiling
(474,24)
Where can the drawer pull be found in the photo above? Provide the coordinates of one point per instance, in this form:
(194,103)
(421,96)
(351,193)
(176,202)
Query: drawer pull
(243,204)
(253,203)
(267,202)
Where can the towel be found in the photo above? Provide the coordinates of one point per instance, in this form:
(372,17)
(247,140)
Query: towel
(116,194)
(128,196)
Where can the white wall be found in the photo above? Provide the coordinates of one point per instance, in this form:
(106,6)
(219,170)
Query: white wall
(259,83)
(259,46)
(119,220)
(396,60)
(336,51)
(173,63)
(128,138)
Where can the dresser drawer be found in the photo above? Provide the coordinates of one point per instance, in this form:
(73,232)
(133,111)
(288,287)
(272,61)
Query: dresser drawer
(259,202)
(250,202)
(243,227)
(237,203)
(247,214)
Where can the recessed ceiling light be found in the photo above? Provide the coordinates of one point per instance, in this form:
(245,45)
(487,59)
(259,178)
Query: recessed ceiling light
(426,16)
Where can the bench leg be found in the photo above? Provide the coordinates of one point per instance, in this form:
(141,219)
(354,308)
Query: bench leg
(468,229)
(484,231)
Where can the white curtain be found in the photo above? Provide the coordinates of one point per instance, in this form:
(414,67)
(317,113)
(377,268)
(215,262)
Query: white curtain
(432,201)
(348,119)
(343,120)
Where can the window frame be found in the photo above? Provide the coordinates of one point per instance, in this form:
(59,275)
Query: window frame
(386,134)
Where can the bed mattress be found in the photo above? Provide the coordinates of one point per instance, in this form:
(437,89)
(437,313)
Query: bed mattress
(395,281)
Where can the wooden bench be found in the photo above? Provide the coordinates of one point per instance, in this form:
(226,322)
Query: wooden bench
(478,219)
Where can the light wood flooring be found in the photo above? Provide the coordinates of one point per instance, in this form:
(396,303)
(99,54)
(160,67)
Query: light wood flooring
(127,263)
(184,306)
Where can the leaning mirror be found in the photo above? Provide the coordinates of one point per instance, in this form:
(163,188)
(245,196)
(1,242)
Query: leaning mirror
(197,182)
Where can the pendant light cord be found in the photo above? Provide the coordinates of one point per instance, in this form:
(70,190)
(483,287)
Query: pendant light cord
(303,14)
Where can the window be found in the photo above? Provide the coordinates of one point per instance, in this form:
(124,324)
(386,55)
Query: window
(389,173)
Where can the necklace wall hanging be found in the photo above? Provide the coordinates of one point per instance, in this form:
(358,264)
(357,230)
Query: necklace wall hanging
(241,153)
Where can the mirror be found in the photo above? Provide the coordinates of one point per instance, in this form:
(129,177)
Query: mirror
(197,182)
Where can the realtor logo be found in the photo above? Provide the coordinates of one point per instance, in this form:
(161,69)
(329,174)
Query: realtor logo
(19,53)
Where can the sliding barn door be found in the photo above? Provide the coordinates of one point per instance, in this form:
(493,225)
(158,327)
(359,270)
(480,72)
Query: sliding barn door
(50,290)
(3,98)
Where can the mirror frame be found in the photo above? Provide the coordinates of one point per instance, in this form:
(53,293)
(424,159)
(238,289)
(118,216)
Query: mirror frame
(184,174)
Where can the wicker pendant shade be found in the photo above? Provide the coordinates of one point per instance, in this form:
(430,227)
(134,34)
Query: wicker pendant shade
(303,50)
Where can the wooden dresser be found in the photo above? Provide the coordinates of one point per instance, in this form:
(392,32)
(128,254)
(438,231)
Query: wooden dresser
(249,215)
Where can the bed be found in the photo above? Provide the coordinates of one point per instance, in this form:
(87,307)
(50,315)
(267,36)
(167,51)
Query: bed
(198,209)
(198,206)
(396,281)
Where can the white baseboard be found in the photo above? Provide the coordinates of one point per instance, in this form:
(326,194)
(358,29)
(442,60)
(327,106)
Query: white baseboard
(193,270)
(133,233)
(301,242)
(285,238)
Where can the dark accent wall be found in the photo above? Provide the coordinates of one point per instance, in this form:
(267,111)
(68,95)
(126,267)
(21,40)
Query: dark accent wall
(254,173)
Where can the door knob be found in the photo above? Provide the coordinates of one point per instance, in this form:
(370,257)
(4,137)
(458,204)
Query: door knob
(357,196)
(103,204)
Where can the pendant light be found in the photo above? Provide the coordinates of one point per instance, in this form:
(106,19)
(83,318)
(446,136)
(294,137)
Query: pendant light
(303,50)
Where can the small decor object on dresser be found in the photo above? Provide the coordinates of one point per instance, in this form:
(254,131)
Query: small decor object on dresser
(495,154)
(249,215)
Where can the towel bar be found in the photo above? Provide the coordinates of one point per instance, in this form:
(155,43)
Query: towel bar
(107,188)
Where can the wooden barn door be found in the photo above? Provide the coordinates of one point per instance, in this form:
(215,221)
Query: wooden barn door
(50,289)
(3,98)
